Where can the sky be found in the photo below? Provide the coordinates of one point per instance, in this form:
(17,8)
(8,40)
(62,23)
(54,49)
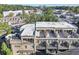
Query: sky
(41,2)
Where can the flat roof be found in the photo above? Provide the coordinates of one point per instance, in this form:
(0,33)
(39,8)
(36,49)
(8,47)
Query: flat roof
(54,25)
(28,29)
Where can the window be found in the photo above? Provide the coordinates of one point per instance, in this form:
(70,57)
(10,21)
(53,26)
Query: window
(42,43)
(65,44)
(30,40)
(25,46)
(24,39)
(17,46)
(76,44)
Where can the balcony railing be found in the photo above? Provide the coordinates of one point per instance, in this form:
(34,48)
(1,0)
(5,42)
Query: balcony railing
(42,45)
(63,45)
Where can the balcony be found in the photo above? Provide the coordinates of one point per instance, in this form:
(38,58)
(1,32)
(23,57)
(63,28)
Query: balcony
(63,45)
(42,34)
(74,35)
(51,34)
(53,45)
(74,45)
(42,45)
(63,34)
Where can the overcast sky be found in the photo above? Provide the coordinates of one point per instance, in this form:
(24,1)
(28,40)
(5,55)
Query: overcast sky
(39,1)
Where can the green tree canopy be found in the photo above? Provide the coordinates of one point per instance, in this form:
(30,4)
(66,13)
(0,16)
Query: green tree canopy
(1,16)
(4,46)
(8,51)
(10,14)
(5,49)
(48,15)
(6,27)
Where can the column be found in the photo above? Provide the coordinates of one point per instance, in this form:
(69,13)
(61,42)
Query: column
(21,40)
(70,42)
(35,42)
(57,40)
(46,40)
(58,46)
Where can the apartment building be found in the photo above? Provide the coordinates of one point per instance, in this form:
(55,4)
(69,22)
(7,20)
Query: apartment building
(45,38)
(13,21)
(17,12)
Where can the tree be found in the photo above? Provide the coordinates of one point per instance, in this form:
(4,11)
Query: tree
(74,9)
(8,51)
(6,27)
(5,49)
(26,18)
(10,14)
(48,15)
(33,17)
(1,16)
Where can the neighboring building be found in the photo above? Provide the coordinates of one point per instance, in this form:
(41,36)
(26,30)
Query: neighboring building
(13,21)
(36,11)
(6,13)
(16,12)
(67,16)
(45,37)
